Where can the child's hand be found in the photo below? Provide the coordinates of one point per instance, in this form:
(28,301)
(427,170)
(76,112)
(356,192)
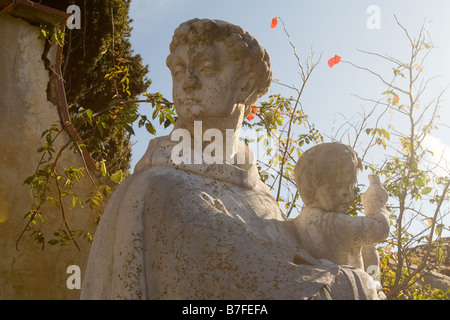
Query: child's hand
(375,195)
(374,179)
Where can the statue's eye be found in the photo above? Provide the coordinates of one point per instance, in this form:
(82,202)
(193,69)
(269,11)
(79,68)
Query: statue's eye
(179,70)
(209,67)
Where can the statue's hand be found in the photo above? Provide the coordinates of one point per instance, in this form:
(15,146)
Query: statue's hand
(374,179)
(375,195)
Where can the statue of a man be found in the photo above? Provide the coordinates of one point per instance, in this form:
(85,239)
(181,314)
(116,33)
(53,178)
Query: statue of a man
(199,230)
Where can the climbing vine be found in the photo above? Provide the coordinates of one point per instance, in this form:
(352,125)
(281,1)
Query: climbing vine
(53,181)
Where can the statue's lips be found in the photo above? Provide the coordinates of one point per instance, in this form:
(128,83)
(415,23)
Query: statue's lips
(190,101)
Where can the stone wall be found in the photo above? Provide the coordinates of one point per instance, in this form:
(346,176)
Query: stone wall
(27,272)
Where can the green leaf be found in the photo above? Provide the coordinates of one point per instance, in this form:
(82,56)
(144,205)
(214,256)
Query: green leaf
(117,177)
(90,115)
(29,180)
(103,168)
(150,128)
(100,127)
(167,123)
(53,241)
(128,128)
(398,72)
(74,202)
(275,162)
(438,232)
(426,45)
(426,190)
(419,182)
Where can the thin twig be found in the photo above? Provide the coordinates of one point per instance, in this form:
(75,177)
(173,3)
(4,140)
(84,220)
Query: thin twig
(62,209)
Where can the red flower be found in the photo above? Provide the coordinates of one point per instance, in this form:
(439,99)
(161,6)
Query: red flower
(335,60)
(274,23)
(251,115)
(396,99)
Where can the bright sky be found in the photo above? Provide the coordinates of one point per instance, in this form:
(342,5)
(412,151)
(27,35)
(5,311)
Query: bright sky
(329,28)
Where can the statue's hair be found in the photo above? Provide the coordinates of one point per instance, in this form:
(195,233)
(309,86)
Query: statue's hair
(324,164)
(243,48)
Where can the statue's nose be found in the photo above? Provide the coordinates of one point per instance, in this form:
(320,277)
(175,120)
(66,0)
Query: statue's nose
(191,80)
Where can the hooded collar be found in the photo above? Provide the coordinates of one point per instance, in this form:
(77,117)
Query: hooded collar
(159,154)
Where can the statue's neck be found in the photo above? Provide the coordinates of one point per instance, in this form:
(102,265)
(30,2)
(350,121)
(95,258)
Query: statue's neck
(219,136)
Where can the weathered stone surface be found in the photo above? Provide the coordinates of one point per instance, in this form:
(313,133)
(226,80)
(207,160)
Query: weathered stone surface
(25,113)
(204,233)
(208,230)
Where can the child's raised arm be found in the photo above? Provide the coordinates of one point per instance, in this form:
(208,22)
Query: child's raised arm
(374,227)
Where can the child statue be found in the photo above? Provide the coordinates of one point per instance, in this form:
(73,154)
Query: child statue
(326,176)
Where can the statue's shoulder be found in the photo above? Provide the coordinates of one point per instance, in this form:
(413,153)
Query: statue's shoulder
(157,147)
(155,177)
(155,187)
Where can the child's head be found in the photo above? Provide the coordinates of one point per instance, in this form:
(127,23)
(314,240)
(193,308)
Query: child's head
(326,176)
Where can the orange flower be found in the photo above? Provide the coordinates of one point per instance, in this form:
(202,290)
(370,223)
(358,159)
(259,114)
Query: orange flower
(335,60)
(252,113)
(274,23)
(396,99)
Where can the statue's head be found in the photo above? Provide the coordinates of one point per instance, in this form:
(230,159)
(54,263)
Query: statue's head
(326,176)
(217,69)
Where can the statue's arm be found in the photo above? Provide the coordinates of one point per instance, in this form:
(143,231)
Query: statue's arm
(374,227)
(374,201)
(361,230)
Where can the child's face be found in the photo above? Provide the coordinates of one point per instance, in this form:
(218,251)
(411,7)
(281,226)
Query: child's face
(337,197)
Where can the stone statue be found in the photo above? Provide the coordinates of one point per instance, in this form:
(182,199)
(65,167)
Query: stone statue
(197,229)
(326,176)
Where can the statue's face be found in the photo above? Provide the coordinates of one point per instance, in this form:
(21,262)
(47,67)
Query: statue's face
(204,82)
(339,196)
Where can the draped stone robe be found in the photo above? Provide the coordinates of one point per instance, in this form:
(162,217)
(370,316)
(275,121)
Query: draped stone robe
(205,232)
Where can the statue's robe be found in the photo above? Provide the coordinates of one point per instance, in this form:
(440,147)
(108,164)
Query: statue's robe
(205,232)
